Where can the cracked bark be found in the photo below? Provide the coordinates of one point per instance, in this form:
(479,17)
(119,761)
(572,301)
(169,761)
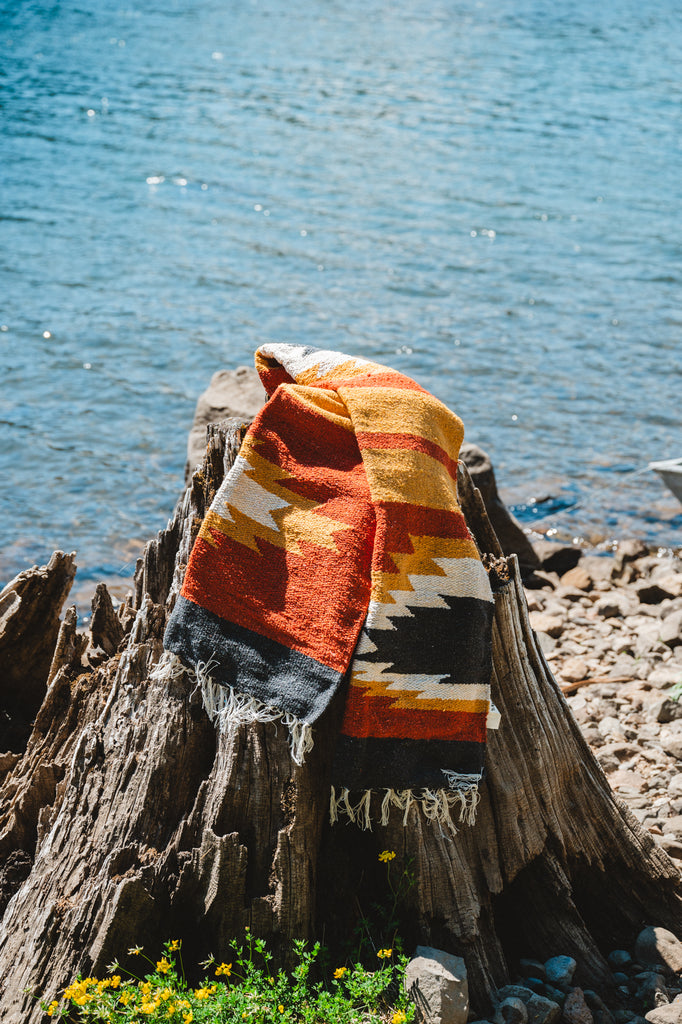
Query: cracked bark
(126,819)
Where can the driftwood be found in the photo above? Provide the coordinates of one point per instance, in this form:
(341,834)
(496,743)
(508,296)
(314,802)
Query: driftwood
(127,819)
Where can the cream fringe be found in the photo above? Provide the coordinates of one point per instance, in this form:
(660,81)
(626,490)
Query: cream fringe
(435,804)
(229,710)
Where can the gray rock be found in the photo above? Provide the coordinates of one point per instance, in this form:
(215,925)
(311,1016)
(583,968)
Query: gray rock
(651,990)
(577,577)
(515,991)
(629,551)
(552,625)
(665,675)
(231,393)
(672,826)
(574,669)
(437,984)
(511,1011)
(576,1010)
(534,968)
(672,846)
(670,630)
(664,710)
(600,1011)
(659,946)
(611,606)
(559,558)
(671,1013)
(560,970)
(675,785)
(555,994)
(670,581)
(618,958)
(612,728)
(545,642)
(542,1011)
(670,738)
(600,567)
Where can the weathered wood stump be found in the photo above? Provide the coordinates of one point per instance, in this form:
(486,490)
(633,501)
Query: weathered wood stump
(127,819)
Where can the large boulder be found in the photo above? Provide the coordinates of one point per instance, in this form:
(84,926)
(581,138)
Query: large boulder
(437,984)
(231,393)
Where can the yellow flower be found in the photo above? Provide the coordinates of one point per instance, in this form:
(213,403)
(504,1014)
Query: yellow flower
(340,971)
(399,1017)
(280,1008)
(115,981)
(126,996)
(387,855)
(52,1007)
(384,954)
(163,966)
(148,1008)
(201,993)
(175,944)
(225,969)
(187,1017)
(145,987)
(78,990)
(165,994)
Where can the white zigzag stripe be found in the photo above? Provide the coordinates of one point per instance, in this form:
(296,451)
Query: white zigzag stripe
(247,496)
(427,687)
(465,577)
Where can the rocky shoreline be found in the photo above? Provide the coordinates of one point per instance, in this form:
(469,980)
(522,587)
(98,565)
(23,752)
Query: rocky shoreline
(610,628)
(646,981)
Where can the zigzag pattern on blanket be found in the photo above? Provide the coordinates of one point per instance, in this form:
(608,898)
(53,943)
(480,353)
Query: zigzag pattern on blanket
(336,550)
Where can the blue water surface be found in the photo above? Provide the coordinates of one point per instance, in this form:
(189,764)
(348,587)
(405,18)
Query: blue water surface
(486,195)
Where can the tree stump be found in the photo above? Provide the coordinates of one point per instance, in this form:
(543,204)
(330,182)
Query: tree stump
(127,819)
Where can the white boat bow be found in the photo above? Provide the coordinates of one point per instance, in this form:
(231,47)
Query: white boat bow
(670,472)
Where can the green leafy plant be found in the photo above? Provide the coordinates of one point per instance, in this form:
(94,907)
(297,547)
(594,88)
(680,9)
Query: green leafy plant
(247,989)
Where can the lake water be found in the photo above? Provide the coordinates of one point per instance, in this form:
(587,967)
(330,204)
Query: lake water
(485,195)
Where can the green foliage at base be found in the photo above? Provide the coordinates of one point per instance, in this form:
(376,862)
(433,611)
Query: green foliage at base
(248,988)
(245,990)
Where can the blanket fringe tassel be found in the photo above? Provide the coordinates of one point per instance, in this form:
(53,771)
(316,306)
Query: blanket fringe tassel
(229,710)
(436,805)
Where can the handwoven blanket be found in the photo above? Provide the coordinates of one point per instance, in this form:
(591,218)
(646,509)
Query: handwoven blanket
(335,553)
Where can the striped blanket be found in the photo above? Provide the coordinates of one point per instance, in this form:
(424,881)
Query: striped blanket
(335,554)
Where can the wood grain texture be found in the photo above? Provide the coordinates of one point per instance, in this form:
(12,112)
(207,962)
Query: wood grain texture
(127,819)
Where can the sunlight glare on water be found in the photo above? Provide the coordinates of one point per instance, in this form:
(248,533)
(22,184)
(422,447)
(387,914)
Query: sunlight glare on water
(483,195)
